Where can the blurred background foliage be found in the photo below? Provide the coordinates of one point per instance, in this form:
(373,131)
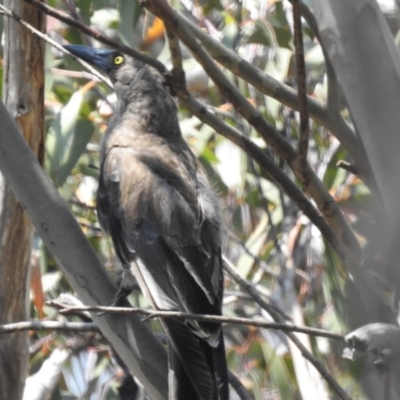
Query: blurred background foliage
(272,244)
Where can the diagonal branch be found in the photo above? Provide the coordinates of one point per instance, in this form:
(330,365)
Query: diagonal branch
(302,86)
(269,86)
(265,162)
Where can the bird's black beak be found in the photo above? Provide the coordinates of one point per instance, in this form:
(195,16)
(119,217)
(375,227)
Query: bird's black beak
(99,58)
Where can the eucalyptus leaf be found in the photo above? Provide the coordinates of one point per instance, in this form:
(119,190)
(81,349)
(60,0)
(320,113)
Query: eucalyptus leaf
(126,15)
(66,139)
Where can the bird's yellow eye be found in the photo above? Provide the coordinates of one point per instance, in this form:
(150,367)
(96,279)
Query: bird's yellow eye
(119,60)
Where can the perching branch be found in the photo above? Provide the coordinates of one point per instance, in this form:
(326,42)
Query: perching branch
(150,314)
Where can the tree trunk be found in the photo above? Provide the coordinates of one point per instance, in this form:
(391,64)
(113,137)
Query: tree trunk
(23,90)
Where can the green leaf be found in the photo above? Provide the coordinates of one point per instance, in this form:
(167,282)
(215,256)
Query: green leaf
(278,371)
(67,139)
(126,15)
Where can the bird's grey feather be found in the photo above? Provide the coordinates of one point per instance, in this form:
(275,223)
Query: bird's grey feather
(165,222)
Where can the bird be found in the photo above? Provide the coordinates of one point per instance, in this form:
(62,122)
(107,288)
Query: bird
(164,219)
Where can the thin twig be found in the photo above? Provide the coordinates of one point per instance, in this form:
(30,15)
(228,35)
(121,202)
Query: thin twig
(150,314)
(301,86)
(49,325)
(17,18)
(178,73)
(347,166)
(74,74)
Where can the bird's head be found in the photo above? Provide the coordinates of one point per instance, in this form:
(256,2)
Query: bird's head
(116,65)
(140,89)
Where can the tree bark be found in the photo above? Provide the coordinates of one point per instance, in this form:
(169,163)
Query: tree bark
(23,94)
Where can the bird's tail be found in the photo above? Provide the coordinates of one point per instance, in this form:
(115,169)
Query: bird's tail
(197,371)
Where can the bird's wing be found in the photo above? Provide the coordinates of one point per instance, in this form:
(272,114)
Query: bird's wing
(152,210)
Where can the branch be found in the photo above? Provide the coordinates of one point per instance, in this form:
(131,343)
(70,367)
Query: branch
(265,162)
(302,86)
(283,93)
(178,73)
(49,325)
(217,319)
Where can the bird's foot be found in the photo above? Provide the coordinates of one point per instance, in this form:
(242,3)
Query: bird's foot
(126,285)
